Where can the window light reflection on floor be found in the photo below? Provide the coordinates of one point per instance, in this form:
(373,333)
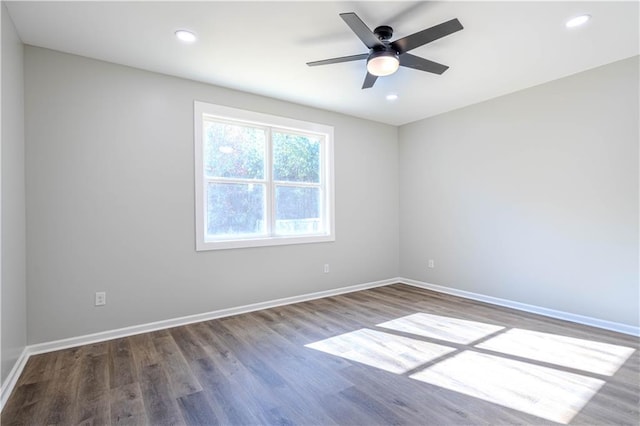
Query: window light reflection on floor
(385,351)
(549,393)
(440,327)
(544,392)
(587,355)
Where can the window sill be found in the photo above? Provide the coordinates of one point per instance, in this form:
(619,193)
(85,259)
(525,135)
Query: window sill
(262,242)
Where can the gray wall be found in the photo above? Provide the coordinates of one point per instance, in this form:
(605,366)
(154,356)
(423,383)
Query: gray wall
(110,205)
(531,197)
(13,290)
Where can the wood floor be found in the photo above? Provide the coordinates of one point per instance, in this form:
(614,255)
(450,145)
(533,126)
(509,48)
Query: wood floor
(389,355)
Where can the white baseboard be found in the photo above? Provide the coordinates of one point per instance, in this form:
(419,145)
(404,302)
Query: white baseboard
(190,319)
(12,378)
(567,316)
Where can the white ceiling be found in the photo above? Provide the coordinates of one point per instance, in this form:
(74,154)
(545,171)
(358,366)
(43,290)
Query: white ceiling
(263,47)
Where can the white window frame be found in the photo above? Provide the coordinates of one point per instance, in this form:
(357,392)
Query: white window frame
(220,112)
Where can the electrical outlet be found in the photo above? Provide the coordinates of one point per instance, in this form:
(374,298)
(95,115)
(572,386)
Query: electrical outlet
(326,268)
(432,263)
(101,298)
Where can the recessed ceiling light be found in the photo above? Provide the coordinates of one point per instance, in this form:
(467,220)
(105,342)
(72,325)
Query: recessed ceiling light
(186,36)
(577,21)
(392,97)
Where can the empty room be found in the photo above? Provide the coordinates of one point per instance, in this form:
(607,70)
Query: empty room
(320,213)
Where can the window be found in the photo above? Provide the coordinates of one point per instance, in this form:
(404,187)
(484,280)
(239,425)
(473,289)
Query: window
(260,179)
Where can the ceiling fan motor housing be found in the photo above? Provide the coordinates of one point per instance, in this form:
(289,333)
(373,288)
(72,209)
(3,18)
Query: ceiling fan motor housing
(384,32)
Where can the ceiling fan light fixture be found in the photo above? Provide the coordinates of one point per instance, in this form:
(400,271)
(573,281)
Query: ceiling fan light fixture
(382,63)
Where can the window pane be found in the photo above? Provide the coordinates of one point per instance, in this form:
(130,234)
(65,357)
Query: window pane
(297,210)
(235,210)
(296,158)
(233,151)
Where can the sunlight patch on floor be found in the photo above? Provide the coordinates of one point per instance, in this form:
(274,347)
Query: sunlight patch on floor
(388,352)
(587,355)
(544,392)
(441,327)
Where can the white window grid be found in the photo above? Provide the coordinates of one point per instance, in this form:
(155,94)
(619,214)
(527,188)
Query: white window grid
(234,116)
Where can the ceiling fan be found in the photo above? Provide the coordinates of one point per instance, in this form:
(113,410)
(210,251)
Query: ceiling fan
(386,56)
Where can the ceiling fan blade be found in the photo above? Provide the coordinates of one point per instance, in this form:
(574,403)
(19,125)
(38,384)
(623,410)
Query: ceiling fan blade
(362,31)
(412,41)
(338,60)
(369,80)
(417,63)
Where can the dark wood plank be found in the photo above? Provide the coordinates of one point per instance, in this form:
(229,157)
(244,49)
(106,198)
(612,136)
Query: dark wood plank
(143,351)
(230,408)
(39,367)
(160,406)
(122,367)
(368,404)
(189,344)
(296,373)
(197,410)
(258,398)
(60,405)
(247,355)
(93,399)
(181,379)
(127,405)
(25,403)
